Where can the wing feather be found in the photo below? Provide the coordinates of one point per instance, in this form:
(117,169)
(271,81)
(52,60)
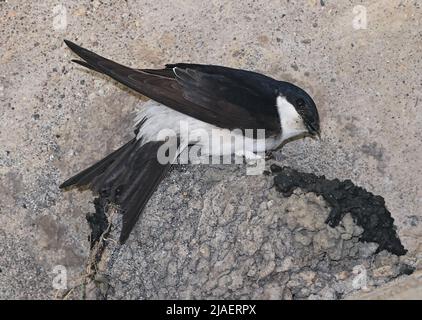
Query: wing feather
(225,97)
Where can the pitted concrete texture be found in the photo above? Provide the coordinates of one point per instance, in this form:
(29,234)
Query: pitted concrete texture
(58,118)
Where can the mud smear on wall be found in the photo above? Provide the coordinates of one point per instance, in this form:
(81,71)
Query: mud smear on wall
(368,210)
(98,221)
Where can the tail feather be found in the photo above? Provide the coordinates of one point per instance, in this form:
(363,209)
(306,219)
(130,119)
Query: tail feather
(84,64)
(127,177)
(86,176)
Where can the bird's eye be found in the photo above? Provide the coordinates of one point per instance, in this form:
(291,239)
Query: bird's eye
(300,102)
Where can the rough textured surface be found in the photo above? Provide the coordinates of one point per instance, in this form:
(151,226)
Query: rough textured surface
(57,118)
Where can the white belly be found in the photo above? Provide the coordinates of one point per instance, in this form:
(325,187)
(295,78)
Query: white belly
(161,121)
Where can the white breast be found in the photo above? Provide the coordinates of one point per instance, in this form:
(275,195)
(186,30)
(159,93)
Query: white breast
(160,119)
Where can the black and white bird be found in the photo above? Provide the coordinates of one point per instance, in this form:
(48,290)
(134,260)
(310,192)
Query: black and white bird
(206,97)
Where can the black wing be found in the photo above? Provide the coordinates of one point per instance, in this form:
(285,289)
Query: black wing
(225,97)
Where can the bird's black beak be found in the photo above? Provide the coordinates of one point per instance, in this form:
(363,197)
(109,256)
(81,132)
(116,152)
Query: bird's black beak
(314,133)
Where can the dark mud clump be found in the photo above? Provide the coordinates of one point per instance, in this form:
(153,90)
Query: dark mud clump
(98,222)
(368,211)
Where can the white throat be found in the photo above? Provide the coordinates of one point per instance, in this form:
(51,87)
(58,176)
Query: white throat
(291,122)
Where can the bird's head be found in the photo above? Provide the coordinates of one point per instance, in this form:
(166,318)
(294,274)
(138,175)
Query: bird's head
(297,111)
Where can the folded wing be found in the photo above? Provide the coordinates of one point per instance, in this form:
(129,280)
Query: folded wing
(225,97)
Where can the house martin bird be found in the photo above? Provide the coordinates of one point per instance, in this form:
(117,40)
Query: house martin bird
(206,97)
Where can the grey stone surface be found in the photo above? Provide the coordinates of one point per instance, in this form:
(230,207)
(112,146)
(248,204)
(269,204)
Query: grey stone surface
(207,232)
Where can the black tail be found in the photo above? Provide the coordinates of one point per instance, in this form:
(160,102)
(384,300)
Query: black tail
(127,177)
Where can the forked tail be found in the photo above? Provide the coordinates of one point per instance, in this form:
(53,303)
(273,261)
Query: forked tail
(127,177)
